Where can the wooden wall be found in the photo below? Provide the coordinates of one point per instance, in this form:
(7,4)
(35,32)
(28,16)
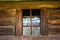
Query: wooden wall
(29,5)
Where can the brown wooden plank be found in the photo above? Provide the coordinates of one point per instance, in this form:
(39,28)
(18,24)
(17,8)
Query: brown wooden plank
(56,21)
(18,22)
(44,30)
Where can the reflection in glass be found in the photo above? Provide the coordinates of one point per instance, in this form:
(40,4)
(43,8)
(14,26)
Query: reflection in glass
(35,30)
(26,30)
(35,12)
(26,22)
(35,21)
(26,12)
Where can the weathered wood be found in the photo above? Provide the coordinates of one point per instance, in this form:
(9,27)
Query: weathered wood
(44,30)
(53,21)
(56,21)
(18,22)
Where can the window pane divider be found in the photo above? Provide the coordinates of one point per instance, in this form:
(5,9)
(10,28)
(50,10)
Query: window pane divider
(30,21)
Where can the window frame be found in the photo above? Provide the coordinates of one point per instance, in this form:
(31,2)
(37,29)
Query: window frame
(43,22)
(43,27)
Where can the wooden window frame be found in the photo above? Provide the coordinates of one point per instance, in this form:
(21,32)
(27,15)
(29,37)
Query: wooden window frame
(43,27)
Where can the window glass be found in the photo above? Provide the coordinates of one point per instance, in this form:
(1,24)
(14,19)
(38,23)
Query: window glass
(26,12)
(35,30)
(35,12)
(26,22)
(35,21)
(26,30)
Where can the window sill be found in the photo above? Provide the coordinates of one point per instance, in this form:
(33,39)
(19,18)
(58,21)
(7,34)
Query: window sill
(40,36)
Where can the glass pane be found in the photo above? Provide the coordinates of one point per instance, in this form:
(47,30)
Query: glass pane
(35,30)
(26,22)
(35,12)
(35,21)
(26,12)
(26,30)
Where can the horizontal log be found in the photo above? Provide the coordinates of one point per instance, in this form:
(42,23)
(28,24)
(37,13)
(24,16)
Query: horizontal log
(7,12)
(56,21)
(53,13)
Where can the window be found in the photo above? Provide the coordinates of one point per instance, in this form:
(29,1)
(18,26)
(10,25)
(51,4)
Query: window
(41,21)
(31,21)
(7,22)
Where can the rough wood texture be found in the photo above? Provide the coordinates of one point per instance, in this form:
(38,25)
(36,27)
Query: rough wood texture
(30,38)
(56,21)
(44,30)
(28,5)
